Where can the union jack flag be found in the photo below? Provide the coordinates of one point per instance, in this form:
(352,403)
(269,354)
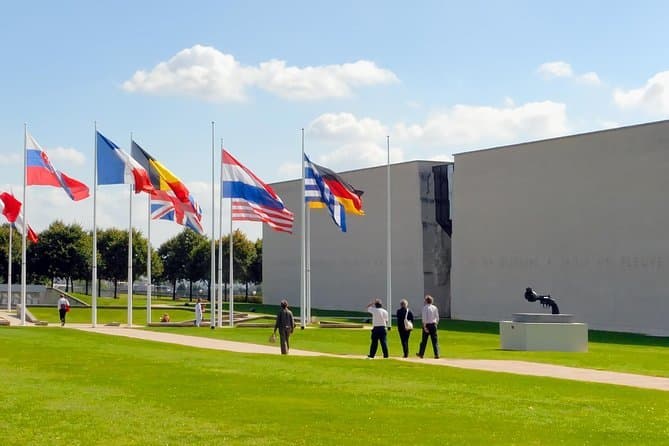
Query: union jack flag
(166,206)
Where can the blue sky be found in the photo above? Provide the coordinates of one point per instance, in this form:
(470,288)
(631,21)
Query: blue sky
(438,77)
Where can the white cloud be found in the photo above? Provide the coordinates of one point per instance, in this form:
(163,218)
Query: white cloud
(354,142)
(347,127)
(550,70)
(200,71)
(290,170)
(652,97)
(206,73)
(590,78)
(10,159)
(483,125)
(66,156)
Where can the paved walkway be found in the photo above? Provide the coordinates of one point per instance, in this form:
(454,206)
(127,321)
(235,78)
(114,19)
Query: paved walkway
(489,365)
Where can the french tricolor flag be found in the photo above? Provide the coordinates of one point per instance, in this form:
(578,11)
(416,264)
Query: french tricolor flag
(115,166)
(253,200)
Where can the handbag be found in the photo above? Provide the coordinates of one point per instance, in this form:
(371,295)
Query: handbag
(272,338)
(408,325)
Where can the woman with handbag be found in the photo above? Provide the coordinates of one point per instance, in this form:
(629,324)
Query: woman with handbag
(404,325)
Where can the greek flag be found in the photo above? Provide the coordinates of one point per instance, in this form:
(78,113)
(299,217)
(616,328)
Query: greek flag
(316,190)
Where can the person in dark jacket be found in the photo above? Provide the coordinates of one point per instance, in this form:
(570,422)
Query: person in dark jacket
(285,324)
(403,313)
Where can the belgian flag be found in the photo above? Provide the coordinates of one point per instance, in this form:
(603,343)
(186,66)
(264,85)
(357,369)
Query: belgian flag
(348,196)
(162,178)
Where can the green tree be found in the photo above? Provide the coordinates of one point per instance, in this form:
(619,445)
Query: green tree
(176,258)
(16,253)
(242,257)
(255,269)
(113,252)
(200,265)
(63,251)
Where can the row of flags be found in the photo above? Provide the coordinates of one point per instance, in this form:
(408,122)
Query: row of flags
(169,199)
(252,199)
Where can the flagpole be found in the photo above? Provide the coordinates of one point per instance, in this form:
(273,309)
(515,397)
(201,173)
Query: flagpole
(94,298)
(388,239)
(25,227)
(307,224)
(231,249)
(220,244)
(307,238)
(212,280)
(130,251)
(303,285)
(148,261)
(9,271)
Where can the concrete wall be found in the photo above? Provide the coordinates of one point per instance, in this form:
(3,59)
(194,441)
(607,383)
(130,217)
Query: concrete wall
(584,218)
(348,269)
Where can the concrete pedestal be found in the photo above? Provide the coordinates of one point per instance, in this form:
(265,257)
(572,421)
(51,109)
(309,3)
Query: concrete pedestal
(543,336)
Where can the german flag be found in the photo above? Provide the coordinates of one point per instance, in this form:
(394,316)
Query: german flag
(348,196)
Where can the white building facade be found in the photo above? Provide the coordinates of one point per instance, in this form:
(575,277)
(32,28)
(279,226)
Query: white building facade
(584,218)
(348,269)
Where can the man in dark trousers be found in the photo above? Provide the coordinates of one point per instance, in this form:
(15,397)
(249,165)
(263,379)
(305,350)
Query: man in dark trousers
(285,323)
(430,321)
(379,324)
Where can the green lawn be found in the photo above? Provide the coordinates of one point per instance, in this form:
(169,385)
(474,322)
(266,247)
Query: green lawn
(80,315)
(64,387)
(621,352)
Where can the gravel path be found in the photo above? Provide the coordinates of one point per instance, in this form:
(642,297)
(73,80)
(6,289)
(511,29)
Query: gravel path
(489,365)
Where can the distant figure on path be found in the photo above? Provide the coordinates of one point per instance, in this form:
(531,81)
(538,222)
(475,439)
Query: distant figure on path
(379,324)
(199,309)
(285,323)
(63,308)
(403,314)
(430,321)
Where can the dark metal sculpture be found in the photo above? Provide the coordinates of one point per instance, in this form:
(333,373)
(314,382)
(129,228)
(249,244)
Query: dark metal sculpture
(546,301)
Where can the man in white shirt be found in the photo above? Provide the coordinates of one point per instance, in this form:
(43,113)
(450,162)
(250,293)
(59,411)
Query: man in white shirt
(430,321)
(63,306)
(199,309)
(379,324)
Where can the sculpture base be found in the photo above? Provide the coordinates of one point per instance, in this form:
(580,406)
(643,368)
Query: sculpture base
(542,317)
(550,336)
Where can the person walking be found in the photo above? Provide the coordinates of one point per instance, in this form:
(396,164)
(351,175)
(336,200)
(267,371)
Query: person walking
(379,324)
(430,321)
(199,310)
(285,324)
(404,314)
(63,308)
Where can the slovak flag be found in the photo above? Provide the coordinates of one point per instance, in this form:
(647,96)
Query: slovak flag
(252,200)
(40,172)
(115,166)
(9,206)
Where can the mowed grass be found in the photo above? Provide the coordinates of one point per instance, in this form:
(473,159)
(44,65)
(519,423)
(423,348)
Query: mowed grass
(64,387)
(79,315)
(622,352)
